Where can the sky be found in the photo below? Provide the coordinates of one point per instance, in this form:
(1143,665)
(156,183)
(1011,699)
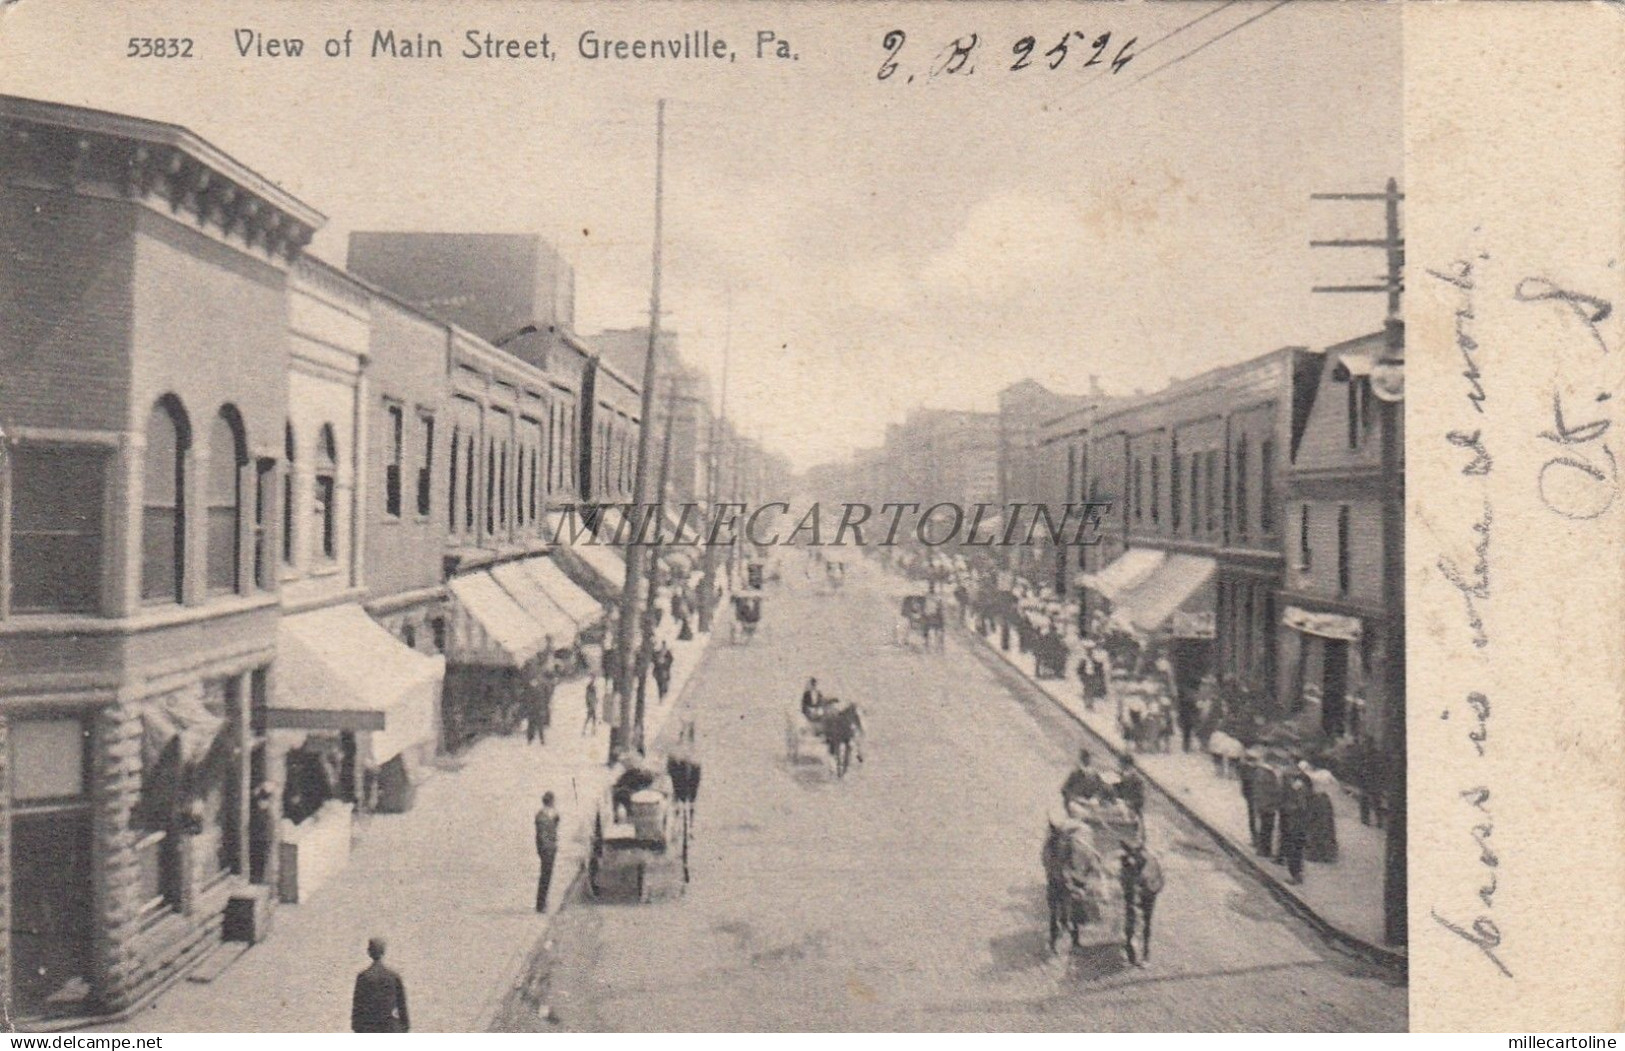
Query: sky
(855,247)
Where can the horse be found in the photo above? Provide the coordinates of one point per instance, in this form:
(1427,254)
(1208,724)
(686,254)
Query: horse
(843,729)
(1073,870)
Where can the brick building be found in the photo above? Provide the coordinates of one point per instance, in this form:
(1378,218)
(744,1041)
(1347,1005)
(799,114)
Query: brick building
(147,281)
(1032,471)
(1191,553)
(1333,618)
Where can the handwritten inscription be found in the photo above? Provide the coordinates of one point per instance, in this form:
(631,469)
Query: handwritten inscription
(1580,481)
(964,55)
(1472,582)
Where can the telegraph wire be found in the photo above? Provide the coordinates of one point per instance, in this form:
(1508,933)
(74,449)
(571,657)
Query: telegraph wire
(1201,47)
(1166,36)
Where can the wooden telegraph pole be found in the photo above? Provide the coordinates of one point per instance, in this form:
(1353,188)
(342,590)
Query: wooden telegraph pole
(647,655)
(1390,394)
(628,734)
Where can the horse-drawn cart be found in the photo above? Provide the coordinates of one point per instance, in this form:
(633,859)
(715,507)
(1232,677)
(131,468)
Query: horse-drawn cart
(1082,867)
(747,619)
(637,846)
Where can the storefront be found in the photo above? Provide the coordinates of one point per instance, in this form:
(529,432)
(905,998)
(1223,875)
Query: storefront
(353,718)
(1173,606)
(492,656)
(1330,656)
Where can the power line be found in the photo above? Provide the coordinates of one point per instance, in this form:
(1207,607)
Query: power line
(1166,36)
(1201,47)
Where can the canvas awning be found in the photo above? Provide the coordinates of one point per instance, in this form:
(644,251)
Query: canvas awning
(488,626)
(1177,596)
(576,603)
(1356,364)
(337,669)
(558,627)
(1133,566)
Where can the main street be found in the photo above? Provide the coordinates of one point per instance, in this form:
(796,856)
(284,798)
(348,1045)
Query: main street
(909,896)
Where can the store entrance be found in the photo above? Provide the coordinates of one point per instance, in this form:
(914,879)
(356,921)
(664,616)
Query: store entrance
(51,912)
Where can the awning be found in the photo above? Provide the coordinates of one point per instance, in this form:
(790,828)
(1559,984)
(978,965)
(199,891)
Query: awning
(576,603)
(337,669)
(488,627)
(1181,590)
(1325,625)
(180,715)
(1133,566)
(558,627)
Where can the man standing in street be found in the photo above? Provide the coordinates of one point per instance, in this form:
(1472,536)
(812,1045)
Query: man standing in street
(547,847)
(1140,874)
(379,1002)
(1131,786)
(662,669)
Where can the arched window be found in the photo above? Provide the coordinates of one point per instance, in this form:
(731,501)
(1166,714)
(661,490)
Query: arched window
(324,520)
(228,453)
(287,495)
(163,503)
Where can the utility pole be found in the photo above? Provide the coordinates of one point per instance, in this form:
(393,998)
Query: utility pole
(1388,385)
(713,485)
(654,555)
(625,732)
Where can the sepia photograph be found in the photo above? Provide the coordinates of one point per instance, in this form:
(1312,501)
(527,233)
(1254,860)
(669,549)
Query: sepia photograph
(706,517)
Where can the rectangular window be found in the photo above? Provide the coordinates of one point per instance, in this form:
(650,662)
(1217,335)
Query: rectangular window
(1156,489)
(1139,490)
(1343,550)
(451,490)
(469,455)
(1212,482)
(1240,484)
(1196,493)
(504,517)
(1175,508)
(1304,549)
(490,486)
(426,464)
(48,759)
(264,483)
(392,462)
(1354,412)
(1266,486)
(56,529)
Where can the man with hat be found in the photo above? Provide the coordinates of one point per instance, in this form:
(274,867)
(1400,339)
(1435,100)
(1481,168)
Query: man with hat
(1083,782)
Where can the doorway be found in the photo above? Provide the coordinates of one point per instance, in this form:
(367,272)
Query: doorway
(52,919)
(1334,688)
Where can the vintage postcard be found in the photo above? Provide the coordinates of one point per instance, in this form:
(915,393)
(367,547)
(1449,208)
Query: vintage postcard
(694,517)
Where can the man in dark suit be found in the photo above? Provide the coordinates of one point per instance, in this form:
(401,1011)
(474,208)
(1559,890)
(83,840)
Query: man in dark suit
(379,1003)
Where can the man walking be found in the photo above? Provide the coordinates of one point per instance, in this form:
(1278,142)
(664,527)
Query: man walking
(547,847)
(379,1002)
(1140,876)
(541,707)
(1131,786)
(663,662)
(591,720)
(1295,802)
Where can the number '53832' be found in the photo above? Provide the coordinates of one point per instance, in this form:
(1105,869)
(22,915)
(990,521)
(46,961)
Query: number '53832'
(159,47)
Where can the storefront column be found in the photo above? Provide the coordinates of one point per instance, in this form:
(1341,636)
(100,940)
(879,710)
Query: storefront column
(116,788)
(6,1004)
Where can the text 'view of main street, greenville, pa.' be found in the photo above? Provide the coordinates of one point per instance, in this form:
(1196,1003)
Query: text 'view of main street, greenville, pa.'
(611,546)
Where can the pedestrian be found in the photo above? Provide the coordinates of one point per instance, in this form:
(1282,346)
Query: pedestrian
(1295,803)
(1185,714)
(591,721)
(1246,770)
(378,1004)
(540,707)
(547,847)
(663,662)
(1140,875)
(1368,780)
(1267,800)
(1130,785)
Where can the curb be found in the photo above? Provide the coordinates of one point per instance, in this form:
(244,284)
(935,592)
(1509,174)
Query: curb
(1379,955)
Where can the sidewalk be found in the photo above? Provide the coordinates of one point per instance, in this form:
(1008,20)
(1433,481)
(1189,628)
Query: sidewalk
(1343,898)
(451,886)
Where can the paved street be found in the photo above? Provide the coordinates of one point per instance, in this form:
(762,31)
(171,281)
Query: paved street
(909,895)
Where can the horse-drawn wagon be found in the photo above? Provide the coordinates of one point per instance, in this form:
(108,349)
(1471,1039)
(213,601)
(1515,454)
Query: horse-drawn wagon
(1082,860)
